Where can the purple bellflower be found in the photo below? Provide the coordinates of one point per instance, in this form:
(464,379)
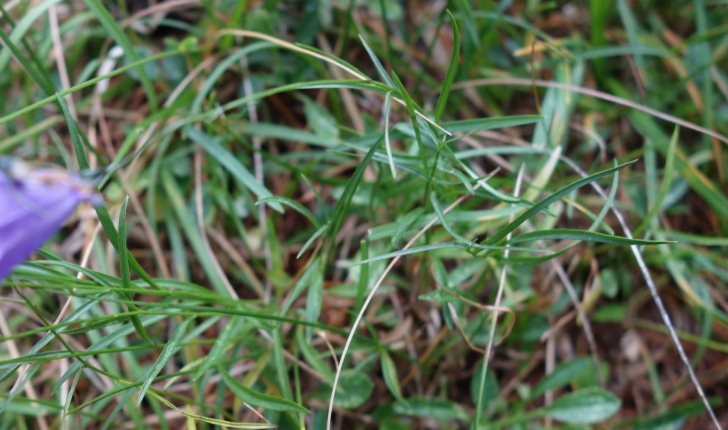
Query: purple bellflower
(34,204)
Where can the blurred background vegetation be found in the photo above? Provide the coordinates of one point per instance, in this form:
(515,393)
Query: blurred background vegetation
(288,151)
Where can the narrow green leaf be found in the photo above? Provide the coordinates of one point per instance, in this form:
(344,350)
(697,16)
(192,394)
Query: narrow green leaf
(119,37)
(218,348)
(471,29)
(389,371)
(588,236)
(226,159)
(380,69)
(191,230)
(257,399)
(302,283)
(120,404)
(498,150)
(312,357)
(386,109)
(18,35)
(314,301)
(410,104)
(36,74)
(75,136)
(125,273)
(24,378)
(311,239)
(169,349)
(279,362)
(630,25)
(343,204)
(293,204)
(502,233)
(123,257)
(319,199)
(405,223)
(363,284)
(452,70)
(478,124)
(103,214)
(469,243)
(664,187)
(414,250)
(351,84)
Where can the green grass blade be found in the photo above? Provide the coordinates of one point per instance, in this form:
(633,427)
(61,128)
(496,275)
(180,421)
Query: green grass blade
(586,236)
(293,204)
(413,250)
(218,348)
(386,109)
(502,233)
(664,187)
(311,239)
(452,70)
(301,285)
(226,159)
(125,272)
(169,349)
(257,399)
(378,65)
(113,28)
(342,205)
(314,301)
(101,211)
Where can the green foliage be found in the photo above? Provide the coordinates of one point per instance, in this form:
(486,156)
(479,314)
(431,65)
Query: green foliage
(299,164)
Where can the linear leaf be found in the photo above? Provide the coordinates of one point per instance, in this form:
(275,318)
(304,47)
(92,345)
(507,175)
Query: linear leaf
(452,70)
(550,199)
(169,349)
(571,234)
(478,124)
(257,399)
(389,371)
(293,204)
(218,348)
(226,159)
(124,271)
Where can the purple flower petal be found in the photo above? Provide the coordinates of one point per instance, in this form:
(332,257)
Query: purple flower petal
(32,210)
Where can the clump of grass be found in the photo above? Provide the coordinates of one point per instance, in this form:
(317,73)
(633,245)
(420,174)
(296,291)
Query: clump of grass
(364,216)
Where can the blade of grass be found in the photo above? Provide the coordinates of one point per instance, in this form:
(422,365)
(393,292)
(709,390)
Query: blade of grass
(101,211)
(664,187)
(257,399)
(124,271)
(169,349)
(119,37)
(552,198)
(337,219)
(452,70)
(226,159)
